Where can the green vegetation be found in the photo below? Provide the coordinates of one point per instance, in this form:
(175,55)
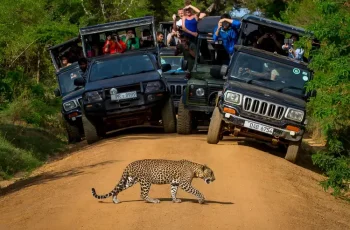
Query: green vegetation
(31,127)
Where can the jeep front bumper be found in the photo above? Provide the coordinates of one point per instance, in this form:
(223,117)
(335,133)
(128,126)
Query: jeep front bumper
(261,130)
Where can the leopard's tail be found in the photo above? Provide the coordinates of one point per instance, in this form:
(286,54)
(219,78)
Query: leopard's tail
(116,189)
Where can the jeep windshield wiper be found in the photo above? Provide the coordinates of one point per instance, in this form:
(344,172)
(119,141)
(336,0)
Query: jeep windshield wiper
(257,79)
(288,87)
(110,77)
(143,71)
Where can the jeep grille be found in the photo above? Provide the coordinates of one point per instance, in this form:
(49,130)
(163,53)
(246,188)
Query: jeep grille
(263,108)
(177,90)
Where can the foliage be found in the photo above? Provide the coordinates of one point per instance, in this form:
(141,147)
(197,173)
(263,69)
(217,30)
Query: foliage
(330,22)
(338,171)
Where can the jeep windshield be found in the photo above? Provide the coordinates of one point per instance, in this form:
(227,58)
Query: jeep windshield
(270,74)
(174,61)
(66,80)
(121,66)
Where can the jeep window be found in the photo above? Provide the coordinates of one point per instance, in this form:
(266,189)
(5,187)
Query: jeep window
(269,74)
(66,80)
(96,42)
(174,61)
(121,66)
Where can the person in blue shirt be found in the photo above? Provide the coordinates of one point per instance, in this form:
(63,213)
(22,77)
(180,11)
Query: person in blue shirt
(227,30)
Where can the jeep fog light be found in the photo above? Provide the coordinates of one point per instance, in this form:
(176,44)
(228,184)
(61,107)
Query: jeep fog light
(150,97)
(200,92)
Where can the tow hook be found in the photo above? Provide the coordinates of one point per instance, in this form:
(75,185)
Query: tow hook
(275,141)
(236,131)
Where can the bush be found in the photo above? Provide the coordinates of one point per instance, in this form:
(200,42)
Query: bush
(13,159)
(338,171)
(330,22)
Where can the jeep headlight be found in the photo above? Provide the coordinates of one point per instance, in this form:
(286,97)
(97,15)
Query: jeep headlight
(200,92)
(294,114)
(70,105)
(233,97)
(153,86)
(93,96)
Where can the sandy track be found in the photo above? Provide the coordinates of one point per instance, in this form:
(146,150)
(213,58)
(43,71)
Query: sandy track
(254,189)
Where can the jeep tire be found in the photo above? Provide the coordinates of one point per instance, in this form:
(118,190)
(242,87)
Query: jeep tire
(215,126)
(184,120)
(91,134)
(73,132)
(168,116)
(293,151)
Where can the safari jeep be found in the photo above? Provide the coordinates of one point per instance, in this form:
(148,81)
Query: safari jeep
(125,90)
(198,99)
(175,78)
(263,97)
(71,95)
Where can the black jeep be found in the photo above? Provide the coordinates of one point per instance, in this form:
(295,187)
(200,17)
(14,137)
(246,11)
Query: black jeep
(263,97)
(176,78)
(71,95)
(125,90)
(198,100)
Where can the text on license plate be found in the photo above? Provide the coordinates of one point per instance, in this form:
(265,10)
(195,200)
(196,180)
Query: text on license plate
(258,127)
(123,96)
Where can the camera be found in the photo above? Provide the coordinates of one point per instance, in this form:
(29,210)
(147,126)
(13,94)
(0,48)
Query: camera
(288,41)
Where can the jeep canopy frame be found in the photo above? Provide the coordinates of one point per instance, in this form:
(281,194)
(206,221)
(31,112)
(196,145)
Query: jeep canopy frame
(252,23)
(57,51)
(145,22)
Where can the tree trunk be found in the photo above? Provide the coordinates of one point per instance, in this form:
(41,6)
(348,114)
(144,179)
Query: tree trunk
(103,9)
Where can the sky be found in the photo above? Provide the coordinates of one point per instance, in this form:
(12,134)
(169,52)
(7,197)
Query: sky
(239,12)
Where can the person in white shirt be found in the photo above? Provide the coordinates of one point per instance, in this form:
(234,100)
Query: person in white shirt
(178,24)
(173,38)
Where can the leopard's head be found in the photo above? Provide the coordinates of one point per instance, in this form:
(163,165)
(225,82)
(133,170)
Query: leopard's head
(206,174)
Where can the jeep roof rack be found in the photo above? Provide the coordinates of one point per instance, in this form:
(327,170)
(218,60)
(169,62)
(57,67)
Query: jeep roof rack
(117,25)
(274,24)
(207,24)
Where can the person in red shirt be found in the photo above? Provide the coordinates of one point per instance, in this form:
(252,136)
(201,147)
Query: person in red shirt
(113,45)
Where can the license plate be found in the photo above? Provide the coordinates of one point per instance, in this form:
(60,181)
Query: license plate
(123,96)
(258,127)
(176,103)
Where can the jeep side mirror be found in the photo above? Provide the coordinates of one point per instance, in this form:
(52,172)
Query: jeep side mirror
(79,81)
(184,64)
(57,92)
(223,71)
(166,67)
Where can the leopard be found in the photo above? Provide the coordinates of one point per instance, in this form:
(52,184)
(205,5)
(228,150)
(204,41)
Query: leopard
(177,173)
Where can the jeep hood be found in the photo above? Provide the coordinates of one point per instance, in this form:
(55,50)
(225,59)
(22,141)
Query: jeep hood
(208,81)
(73,95)
(123,80)
(176,78)
(265,94)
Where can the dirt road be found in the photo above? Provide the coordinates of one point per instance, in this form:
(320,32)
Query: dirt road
(254,189)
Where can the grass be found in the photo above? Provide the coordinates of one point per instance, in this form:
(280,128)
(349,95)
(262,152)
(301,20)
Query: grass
(24,148)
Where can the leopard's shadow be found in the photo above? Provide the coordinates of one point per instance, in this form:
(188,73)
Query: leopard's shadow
(184,200)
